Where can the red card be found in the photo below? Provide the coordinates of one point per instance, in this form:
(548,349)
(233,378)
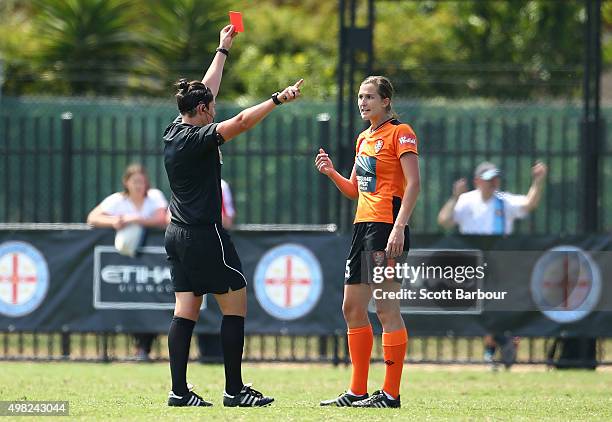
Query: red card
(236,20)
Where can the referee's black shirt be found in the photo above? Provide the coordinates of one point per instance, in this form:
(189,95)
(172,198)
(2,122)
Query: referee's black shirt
(193,164)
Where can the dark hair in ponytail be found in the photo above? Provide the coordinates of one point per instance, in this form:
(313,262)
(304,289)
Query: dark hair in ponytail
(384,88)
(191,94)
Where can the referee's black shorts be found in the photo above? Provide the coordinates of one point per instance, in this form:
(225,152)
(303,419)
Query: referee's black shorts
(203,259)
(368,237)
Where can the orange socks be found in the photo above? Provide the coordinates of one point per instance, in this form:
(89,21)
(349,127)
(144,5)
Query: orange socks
(394,351)
(360,342)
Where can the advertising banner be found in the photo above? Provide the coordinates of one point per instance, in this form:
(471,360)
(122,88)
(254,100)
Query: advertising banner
(74,280)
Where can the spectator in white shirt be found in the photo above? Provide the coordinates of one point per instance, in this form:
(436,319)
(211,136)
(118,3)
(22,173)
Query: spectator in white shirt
(137,204)
(486,210)
(227,205)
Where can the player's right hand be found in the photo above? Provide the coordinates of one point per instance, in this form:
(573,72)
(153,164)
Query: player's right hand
(324,163)
(291,93)
(459,187)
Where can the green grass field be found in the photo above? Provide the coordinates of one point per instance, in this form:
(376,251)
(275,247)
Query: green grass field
(138,392)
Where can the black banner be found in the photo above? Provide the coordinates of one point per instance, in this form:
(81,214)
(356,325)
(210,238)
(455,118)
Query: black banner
(74,280)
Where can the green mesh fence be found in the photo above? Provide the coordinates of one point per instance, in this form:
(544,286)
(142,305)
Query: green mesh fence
(271,168)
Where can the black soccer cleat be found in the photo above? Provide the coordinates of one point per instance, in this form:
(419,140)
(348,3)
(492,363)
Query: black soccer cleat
(378,399)
(189,399)
(248,397)
(344,400)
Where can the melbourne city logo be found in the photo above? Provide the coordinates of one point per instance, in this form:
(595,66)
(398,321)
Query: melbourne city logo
(24,278)
(288,281)
(566,284)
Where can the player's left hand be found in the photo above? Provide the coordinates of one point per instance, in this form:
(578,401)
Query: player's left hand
(395,244)
(539,171)
(226,37)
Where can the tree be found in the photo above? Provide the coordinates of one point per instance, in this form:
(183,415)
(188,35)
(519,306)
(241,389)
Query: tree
(180,37)
(287,40)
(502,49)
(17,45)
(87,46)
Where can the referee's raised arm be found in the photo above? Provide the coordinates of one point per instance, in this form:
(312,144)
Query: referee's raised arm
(212,78)
(249,117)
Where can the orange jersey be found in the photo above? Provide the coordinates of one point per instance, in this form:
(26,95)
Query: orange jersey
(379,173)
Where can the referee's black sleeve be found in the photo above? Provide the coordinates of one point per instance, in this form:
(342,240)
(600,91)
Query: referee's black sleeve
(208,138)
(201,139)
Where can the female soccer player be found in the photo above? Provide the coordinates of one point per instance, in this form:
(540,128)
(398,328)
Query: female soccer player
(385,181)
(201,254)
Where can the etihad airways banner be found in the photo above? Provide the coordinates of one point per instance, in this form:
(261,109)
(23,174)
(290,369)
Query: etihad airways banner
(74,280)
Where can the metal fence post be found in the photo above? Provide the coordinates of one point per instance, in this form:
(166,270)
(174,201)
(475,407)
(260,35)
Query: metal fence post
(324,142)
(105,357)
(323,348)
(65,344)
(66,182)
(336,357)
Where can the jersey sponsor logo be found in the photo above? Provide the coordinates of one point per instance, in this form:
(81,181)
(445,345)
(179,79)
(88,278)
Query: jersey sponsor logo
(366,173)
(24,278)
(407,140)
(378,146)
(566,284)
(288,281)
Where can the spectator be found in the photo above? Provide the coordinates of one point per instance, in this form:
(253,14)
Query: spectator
(137,204)
(488,211)
(227,206)
(210,344)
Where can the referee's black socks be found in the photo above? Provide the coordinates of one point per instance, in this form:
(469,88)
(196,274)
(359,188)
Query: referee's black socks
(232,340)
(179,339)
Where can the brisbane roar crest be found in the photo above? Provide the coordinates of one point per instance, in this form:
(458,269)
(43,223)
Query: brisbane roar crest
(378,146)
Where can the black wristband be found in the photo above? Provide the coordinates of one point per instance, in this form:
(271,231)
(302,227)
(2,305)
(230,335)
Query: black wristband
(275,98)
(223,51)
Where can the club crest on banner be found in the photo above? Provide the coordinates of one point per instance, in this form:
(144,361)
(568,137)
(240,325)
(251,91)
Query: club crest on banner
(566,284)
(288,281)
(24,278)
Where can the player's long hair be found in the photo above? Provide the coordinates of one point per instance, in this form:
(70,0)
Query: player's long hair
(190,95)
(385,90)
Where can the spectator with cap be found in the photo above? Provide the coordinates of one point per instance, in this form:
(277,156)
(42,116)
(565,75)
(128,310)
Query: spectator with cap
(487,210)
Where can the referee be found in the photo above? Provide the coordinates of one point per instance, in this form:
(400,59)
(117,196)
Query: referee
(201,254)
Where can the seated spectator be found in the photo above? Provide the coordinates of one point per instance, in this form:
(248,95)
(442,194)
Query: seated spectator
(136,204)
